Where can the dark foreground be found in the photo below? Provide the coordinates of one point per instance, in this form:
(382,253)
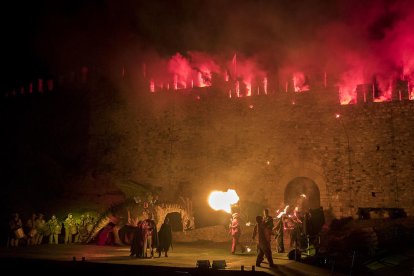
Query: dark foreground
(110,260)
(18,265)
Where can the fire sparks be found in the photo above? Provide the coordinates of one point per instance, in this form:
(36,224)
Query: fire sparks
(219,200)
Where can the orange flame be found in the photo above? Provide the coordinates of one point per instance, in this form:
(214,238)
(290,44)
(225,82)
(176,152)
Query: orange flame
(223,200)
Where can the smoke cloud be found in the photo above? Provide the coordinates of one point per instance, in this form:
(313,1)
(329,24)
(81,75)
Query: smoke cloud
(355,42)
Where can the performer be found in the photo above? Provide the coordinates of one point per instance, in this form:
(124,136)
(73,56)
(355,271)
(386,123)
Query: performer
(41,228)
(149,231)
(235,231)
(55,229)
(295,234)
(278,230)
(268,221)
(70,228)
(106,235)
(31,230)
(16,230)
(263,242)
(137,243)
(164,238)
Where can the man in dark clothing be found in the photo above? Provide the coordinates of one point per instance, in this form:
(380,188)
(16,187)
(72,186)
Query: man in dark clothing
(268,221)
(164,238)
(263,242)
(279,229)
(137,243)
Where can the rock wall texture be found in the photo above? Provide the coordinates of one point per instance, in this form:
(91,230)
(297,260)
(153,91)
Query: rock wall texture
(269,148)
(107,141)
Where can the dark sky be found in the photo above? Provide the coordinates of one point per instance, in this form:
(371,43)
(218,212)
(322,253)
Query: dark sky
(41,33)
(41,37)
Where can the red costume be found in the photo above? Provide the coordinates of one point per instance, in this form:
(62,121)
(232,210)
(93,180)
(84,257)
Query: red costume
(235,232)
(263,242)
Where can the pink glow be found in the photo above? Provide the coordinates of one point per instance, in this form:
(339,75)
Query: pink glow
(246,71)
(181,70)
(385,85)
(40,85)
(175,83)
(371,45)
(300,83)
(152,86)
(198,69)
(348,84)
(204,65)
(49,84)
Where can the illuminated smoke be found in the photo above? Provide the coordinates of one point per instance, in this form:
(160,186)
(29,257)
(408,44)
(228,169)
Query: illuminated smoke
(348,84)
(352,42)
(300,82)
(245,77)
(180,68)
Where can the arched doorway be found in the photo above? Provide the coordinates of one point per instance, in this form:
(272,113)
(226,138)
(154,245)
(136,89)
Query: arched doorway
(302,192)
(175,221)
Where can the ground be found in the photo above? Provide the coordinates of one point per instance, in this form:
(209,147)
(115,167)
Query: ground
(182,258)
(104,260)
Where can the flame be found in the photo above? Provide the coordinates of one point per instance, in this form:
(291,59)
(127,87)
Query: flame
(300,82)
(152,86)
(385,85)
(219,200)
(348,84)
(283,212)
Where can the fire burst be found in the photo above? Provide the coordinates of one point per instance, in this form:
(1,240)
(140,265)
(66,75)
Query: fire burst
(223,200)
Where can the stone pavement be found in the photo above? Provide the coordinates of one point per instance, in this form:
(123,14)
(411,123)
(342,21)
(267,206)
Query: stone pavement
(183,255)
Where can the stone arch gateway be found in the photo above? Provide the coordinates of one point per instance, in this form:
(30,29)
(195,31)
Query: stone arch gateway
(299,176)
(302,192)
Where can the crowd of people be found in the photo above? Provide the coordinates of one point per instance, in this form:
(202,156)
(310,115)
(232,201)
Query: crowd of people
(37,230)
(147,240)
(294,224)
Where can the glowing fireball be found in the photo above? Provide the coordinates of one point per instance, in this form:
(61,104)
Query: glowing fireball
(223,200)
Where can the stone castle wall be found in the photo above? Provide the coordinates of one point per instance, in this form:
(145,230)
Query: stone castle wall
(258,145)
(101,139)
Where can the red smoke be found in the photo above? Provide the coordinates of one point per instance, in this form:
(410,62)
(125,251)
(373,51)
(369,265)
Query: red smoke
(370,43)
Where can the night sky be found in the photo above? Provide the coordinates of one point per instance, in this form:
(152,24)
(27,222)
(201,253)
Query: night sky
(50,37)
(41,36)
